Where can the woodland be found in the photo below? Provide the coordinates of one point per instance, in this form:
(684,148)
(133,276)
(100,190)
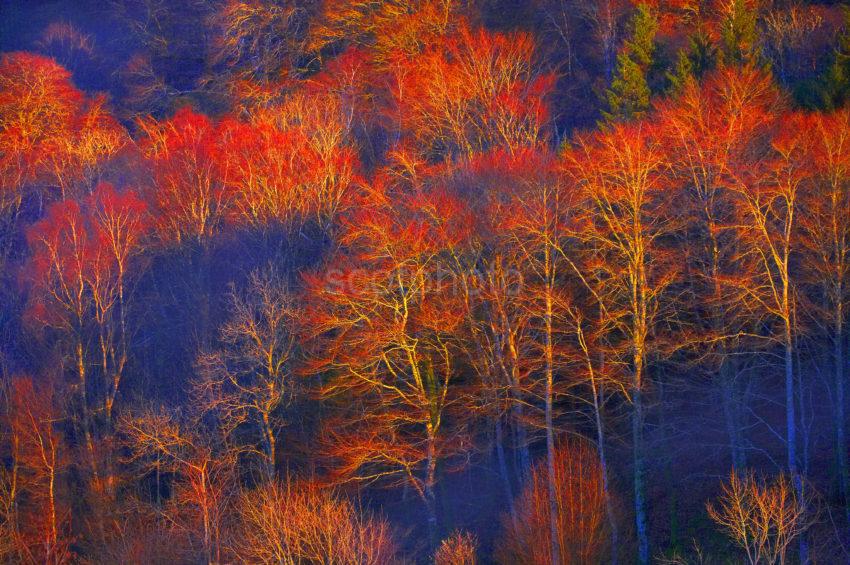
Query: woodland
(451,282)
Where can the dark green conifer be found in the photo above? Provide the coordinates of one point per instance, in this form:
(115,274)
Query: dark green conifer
(835,84)
(629,93)
(692,62)
(682,74)
(739,44)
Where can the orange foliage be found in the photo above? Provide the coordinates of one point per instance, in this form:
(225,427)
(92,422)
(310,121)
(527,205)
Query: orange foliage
(715,137)
(297,522)
(473,91)
(463,244)
(386,324)
(625,212)
(825,216)
(712,126)
(458,549)
(37,104)
(386,28)
(52,138)
(38,513)
(580,512)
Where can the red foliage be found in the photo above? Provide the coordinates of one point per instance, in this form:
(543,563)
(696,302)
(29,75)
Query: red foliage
(386,324)
(287,165)
(38,104)
(80,254)
(60,264)
(120,220)
(78,274)
(474,90)
(188,168)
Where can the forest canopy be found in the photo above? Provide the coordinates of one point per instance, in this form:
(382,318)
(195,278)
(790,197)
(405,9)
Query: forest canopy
(424,281)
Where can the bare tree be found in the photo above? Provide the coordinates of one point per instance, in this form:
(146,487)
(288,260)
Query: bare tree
(294,523)
(460,548)
(626,220)
(250,379)
(202,467)
(763,519)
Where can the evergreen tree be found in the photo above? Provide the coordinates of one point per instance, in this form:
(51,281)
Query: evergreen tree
(835,84)
(642,30)
(628,96)
(682,74)
(739,43)
(692,62)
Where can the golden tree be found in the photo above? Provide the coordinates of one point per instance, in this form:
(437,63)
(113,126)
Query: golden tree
(385,324)
(625,219)
(159,441)
(825,223)
(708,129)
(298,522)
(460,548)
(39,511)
(763,519)
(473,91)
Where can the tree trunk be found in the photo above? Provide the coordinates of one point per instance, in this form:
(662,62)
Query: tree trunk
(205,502)
(550,434)
(122,355)
(503,470)
(516,406)
(85,421)
(840,426)
(791,426)
(54,530)
(603,466)
(521,439)
(13,482)
(730,414)
(639,311)
(430,498)
(727,372)
(271,446)
(641,529)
